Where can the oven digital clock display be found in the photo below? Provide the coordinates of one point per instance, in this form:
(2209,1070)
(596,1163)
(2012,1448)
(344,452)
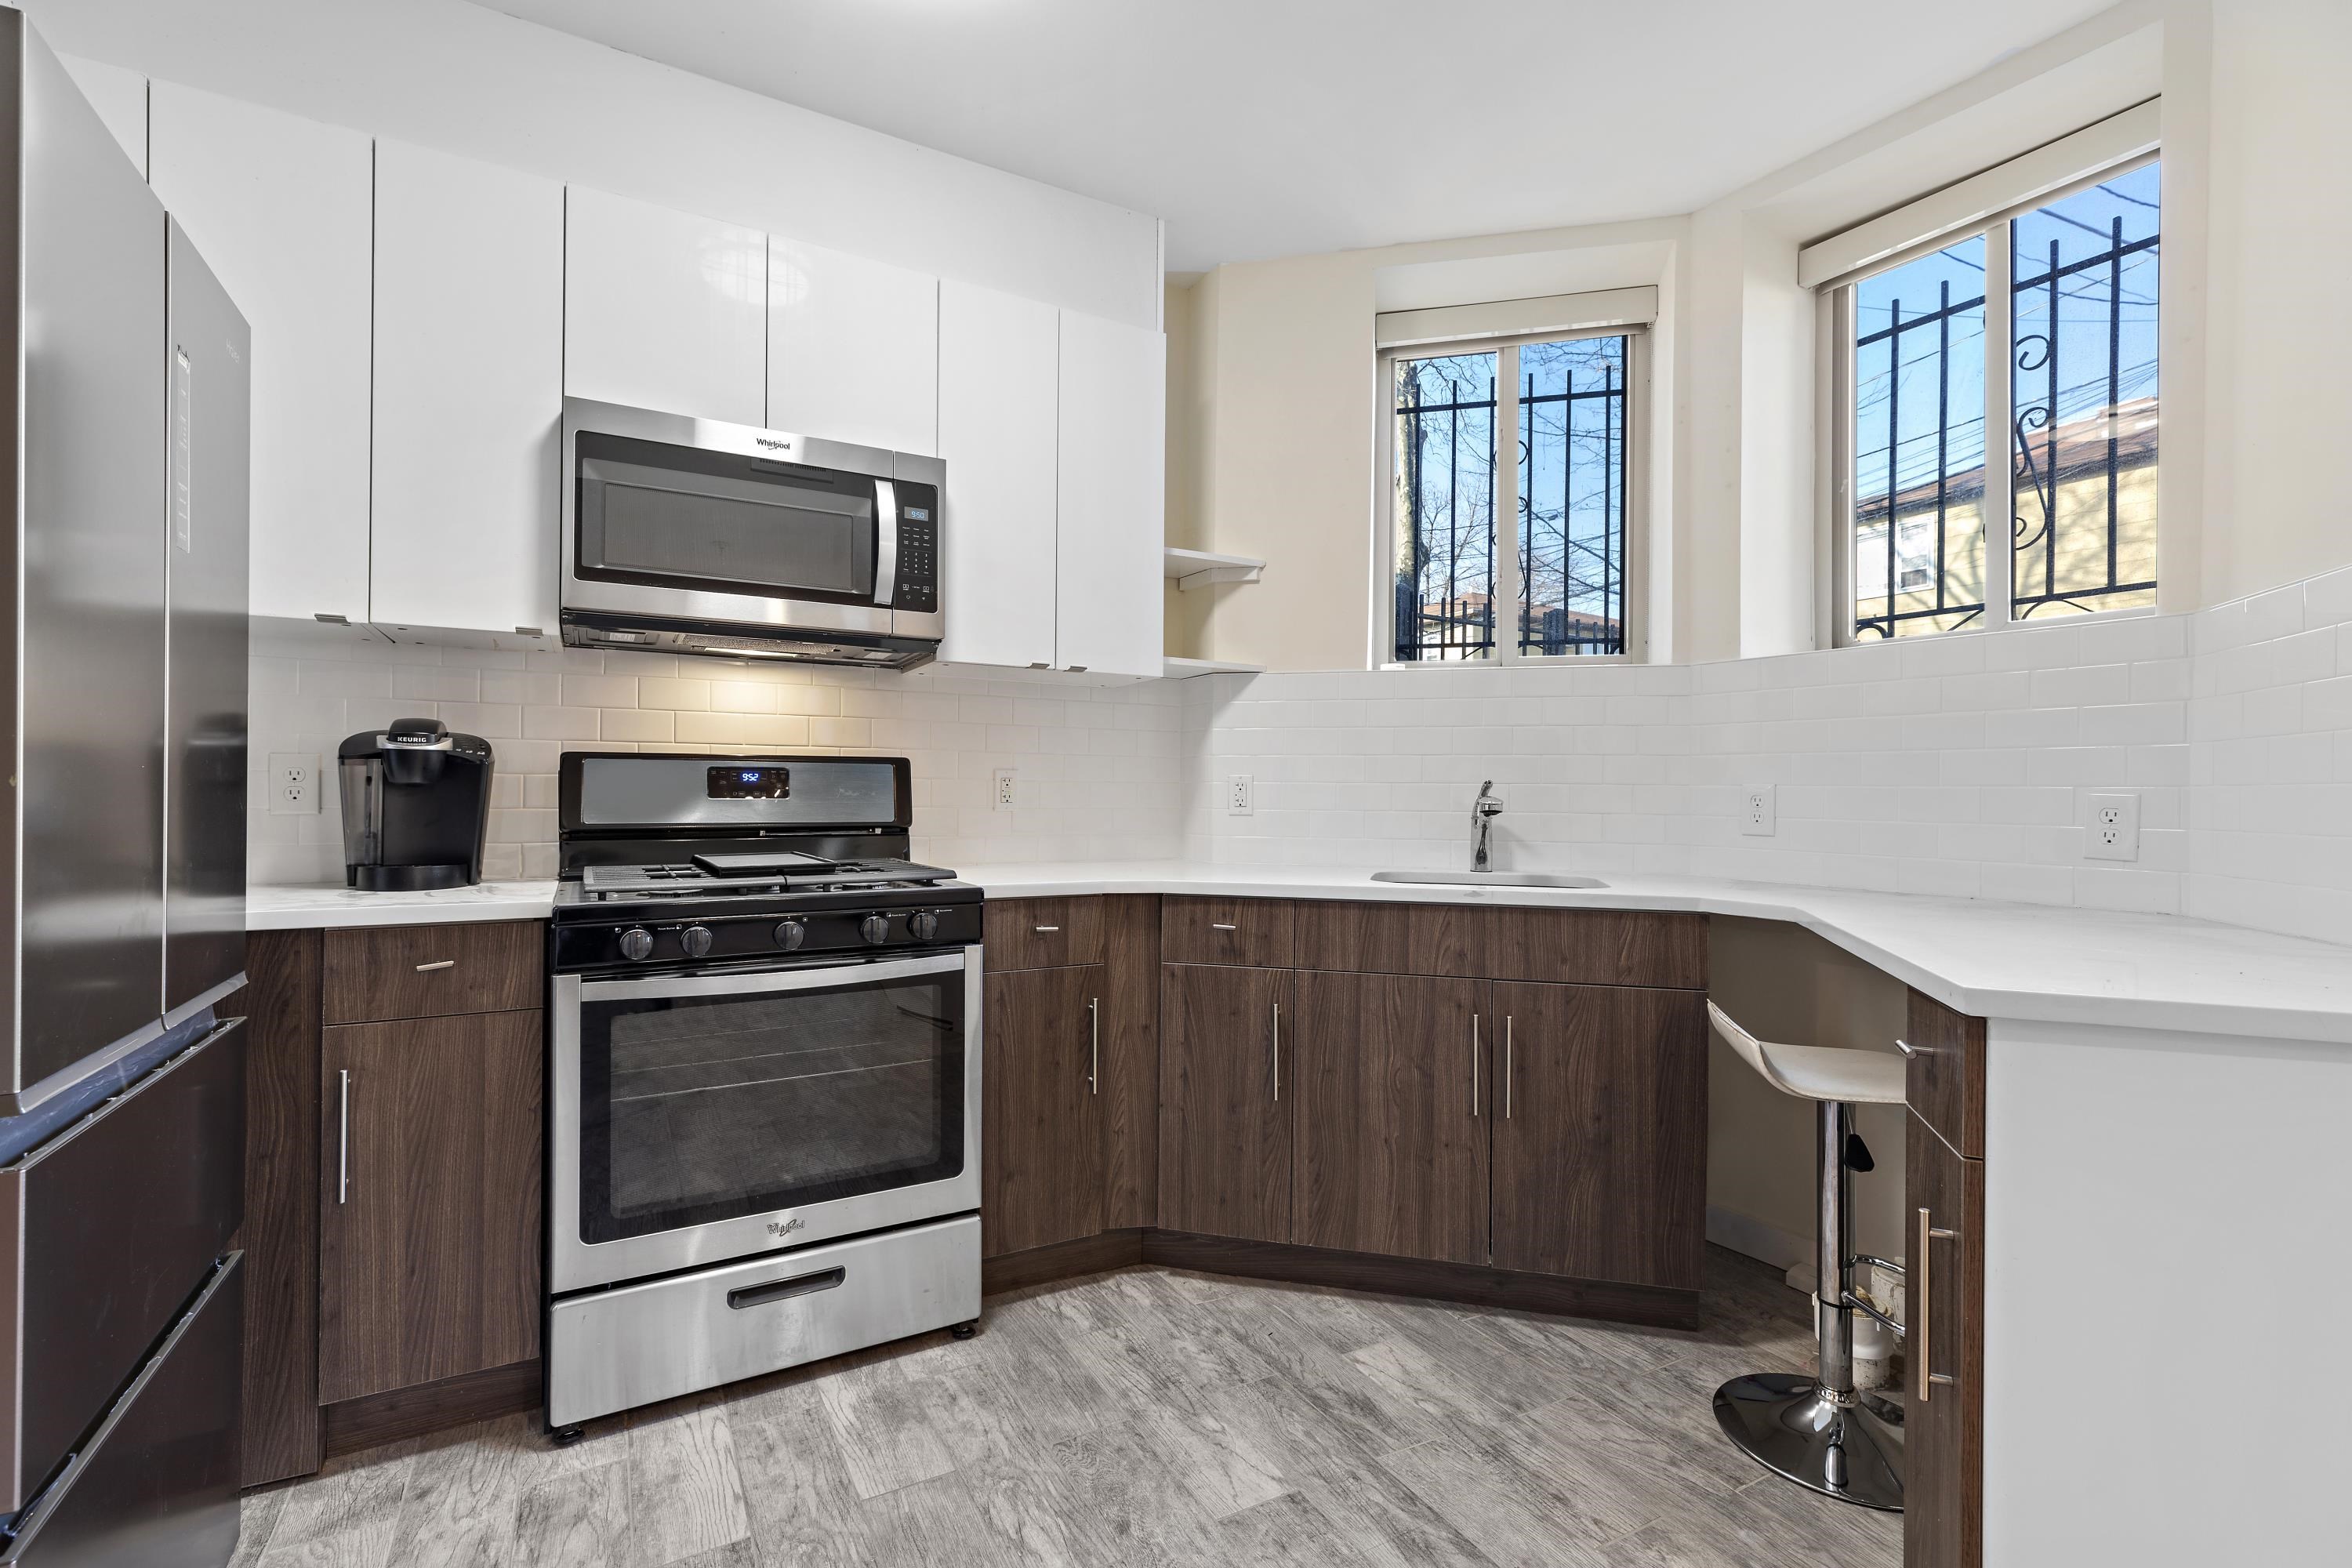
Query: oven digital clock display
(748,784)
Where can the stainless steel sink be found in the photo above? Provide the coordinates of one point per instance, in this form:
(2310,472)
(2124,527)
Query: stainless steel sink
(1491,878)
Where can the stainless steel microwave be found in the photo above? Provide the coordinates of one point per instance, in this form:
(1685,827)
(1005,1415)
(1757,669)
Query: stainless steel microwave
(685,535)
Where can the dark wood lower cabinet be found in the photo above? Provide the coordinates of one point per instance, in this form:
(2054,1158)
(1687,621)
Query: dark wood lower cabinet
(1042,1159)
(1601,1132)
(1387,1074)
(1943,1494)
(280,1235)
(1225,1123)
(429,1200)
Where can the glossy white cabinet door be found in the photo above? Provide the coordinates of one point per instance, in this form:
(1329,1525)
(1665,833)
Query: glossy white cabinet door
(665,309)
(279,207)
(853,349)
(999,372)
(120,96)
(469,392)
(1112,528)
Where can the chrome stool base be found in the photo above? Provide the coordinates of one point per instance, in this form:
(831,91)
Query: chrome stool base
(1842,1447)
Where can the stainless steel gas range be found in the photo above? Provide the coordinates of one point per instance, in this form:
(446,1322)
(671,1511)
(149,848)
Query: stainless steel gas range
(764,1137)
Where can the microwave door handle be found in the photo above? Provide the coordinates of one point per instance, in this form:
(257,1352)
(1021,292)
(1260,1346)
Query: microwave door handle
(886,546)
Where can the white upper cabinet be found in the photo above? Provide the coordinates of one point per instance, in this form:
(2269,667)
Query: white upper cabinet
(999,375)
(120,96)
(853,349)
(279,207)
(1113,454)
(663,310)
(468,395)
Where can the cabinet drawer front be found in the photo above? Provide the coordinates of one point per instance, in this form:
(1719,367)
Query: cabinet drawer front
(1042,934)
(1396,938)
(384,973)
(1599,947)
(1256,932)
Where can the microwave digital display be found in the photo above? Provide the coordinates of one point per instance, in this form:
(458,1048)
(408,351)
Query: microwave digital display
(748,784)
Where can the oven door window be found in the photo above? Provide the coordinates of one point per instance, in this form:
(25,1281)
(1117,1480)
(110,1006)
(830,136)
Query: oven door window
(791,536)
(705,1108)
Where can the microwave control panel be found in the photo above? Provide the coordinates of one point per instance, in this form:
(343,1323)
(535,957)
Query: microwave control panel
(918,548)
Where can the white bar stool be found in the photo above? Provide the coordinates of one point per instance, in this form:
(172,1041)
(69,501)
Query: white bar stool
(1819,1431)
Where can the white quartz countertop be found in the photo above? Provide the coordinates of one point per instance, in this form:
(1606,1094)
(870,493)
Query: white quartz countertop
(2025,962)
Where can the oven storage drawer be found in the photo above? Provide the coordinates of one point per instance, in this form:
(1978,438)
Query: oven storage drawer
(108,1227)
(156,1485)
(380,973)
(613,1349)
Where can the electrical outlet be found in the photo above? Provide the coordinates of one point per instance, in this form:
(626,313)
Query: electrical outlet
(1237,796)
(293,784)
(1004,789)
(2114,827)
(1759,809)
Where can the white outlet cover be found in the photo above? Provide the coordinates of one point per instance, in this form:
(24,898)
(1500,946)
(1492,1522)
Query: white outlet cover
(2111,828)
(293,784)
(1240,795)
(1005,795)
(1759,809)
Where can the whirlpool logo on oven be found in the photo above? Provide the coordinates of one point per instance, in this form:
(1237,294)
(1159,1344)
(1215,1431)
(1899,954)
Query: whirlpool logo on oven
(785,1227)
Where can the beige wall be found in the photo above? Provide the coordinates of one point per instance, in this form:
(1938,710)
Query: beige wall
(1783,982)
(2281,317)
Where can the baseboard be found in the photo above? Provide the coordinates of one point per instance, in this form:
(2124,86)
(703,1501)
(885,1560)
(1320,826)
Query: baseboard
(1061,1261)
(399,1412)
(1654,1306)
(1758,1239)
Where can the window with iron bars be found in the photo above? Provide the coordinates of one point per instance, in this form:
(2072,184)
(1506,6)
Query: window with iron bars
(1535,520)
(2040,327)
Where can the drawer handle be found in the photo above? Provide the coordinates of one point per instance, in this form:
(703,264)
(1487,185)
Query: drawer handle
(1220,925)
(1045,930)
(1928,1232)
(444,963)
(779,1290)
(1906,1047)
(343,1138)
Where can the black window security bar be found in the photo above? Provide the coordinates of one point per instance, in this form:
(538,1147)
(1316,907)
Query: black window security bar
(2072,449)
(1446,582)
(1936,499)
(2092,451)
(1590,616)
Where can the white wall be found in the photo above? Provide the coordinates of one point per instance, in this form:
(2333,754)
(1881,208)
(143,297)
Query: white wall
(464,79)
(1097,768)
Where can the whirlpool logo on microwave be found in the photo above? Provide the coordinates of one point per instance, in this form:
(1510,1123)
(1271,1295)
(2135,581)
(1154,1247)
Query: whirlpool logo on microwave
(772,445)
(785,1227)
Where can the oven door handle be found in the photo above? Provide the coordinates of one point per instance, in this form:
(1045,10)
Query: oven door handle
(816,978)
(886,542)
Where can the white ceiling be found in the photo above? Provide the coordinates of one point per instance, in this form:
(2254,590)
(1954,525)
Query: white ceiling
(1261,128)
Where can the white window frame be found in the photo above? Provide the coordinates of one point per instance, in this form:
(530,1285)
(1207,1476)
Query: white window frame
(1505,652)
(1834,335)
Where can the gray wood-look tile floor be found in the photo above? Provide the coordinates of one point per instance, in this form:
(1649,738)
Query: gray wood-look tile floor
(1143,1417)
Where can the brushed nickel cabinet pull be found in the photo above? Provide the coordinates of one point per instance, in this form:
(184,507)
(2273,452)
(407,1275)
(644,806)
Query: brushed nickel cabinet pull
(1094,1045)
(444,963)
(343,1139)
(1047,931)
(1474,1064)
(1277,1053)
(1906,1047)
(1920,1342)
(1506,1066)
(1223,925)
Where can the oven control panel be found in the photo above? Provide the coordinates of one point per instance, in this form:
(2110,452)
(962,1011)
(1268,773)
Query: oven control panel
(715,938)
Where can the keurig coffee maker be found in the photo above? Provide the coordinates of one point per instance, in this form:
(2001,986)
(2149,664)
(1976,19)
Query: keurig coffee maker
(417,805)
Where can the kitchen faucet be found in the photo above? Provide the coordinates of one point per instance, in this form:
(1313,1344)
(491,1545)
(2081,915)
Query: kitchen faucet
(1483,812)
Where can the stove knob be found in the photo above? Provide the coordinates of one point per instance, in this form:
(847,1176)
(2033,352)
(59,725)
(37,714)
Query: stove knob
(875,929)
(636,942)
(923,924)
(790,934)
(695,940)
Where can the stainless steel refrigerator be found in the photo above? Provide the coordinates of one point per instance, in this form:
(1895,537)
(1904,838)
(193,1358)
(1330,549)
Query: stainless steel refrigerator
(123,467)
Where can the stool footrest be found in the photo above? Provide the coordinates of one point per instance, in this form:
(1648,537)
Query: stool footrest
(1861,1305)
